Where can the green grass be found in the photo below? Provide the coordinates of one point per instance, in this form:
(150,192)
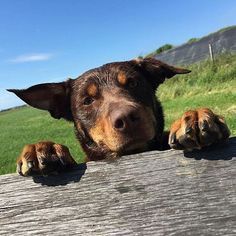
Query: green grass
(28,125)
(208,85)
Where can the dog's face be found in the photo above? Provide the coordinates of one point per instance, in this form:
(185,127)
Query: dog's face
(113,107)
(115,104)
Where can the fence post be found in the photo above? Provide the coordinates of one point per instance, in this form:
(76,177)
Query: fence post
(211,53)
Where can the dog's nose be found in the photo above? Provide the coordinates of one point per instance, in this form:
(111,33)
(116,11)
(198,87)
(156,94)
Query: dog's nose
(125,118)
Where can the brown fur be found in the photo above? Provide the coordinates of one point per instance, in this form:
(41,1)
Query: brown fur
(35,158)
(92,90)
(115,112)
(197,129)
(122,78)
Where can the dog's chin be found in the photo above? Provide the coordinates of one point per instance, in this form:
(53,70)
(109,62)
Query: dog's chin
(132,146)
(128,143)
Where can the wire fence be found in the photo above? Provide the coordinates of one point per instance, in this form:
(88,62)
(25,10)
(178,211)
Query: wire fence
(207,47)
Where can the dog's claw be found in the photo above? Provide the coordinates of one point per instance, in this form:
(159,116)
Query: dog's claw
(62,161)
(18,168)
(188,130)
(43,158)
(30,164)
(204,126)
(173,138)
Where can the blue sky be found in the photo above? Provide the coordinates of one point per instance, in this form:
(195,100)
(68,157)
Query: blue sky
(51,40)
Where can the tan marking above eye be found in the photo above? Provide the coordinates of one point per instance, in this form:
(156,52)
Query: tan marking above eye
(122,79)
(92,90)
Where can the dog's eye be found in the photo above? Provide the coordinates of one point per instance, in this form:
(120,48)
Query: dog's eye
(133,83)
(88,101)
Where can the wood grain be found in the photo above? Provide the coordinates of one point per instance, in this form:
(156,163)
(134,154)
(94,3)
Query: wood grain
(152,193)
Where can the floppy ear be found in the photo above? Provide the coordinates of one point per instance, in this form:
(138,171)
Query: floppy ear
(157,71)
(54,97)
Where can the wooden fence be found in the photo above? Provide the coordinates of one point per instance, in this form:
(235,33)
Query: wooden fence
(152,193)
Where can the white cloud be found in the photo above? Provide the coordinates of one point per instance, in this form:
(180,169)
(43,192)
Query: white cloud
(31,57)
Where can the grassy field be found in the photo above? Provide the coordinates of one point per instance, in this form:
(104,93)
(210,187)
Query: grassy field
(208,85)
(28,125)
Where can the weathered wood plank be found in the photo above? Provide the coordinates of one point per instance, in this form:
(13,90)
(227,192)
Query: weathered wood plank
(153,193)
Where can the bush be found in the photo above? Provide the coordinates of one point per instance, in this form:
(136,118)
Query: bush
(164,48)
(193,40)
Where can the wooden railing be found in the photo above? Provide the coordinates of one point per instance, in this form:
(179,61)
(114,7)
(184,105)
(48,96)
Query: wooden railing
(152,193)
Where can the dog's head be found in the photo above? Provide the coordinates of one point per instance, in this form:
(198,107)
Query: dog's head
(113,107)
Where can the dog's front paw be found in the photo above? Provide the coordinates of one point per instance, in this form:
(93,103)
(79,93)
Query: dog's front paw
(44,158)
(197,129)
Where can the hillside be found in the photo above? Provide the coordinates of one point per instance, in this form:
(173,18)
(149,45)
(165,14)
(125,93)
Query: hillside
(208,85)
(195,50)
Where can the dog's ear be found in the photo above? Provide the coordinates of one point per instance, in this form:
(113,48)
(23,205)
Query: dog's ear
(157,72)
(54,97)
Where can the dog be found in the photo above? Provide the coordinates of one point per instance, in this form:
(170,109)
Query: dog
(115,112)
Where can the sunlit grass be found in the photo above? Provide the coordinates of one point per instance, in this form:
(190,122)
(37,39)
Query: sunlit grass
(28,125)
(208,85)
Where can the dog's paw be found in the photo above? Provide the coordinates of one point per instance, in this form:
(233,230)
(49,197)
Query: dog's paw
(197,129)
(44,158)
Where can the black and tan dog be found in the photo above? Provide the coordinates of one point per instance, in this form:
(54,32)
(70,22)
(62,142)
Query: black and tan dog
(115,112)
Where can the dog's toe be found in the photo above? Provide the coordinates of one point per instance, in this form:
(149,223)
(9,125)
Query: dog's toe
(44,158)
(197,129)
